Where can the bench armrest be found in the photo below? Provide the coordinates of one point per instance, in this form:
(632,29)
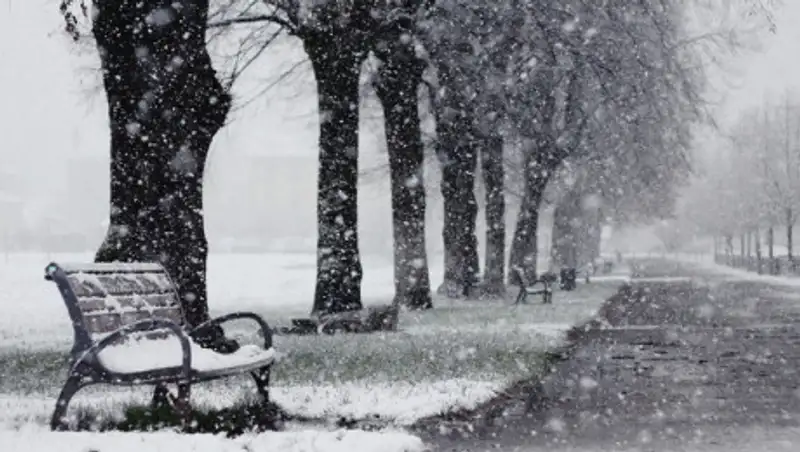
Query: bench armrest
(143,326)
(266,331)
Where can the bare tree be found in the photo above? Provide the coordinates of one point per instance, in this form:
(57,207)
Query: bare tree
(338,38)
(766,140)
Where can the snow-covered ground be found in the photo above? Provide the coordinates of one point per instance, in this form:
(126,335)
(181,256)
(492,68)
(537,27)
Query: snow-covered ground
(455,356)
(726,272)
(35,439)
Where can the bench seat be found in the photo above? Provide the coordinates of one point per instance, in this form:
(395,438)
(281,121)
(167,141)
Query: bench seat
(145,355)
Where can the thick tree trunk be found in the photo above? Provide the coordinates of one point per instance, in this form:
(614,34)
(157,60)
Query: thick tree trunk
(742,246)
(336,57)
(399,79)
(458,154)
(562,246)
(494,180)
(749,242)
(730,258)
(165,105)
(567,235)
(524,245)
(749,250)
(759,260)
(771,250)
(790,237)
(590,237)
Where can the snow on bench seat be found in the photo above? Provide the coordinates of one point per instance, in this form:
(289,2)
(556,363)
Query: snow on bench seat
(143,355)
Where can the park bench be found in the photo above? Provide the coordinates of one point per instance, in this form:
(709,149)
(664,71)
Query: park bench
(540,286)
(129,329)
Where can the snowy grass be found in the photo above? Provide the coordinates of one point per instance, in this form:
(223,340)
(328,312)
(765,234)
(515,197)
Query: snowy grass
(38,439)
(455,356)
(724,272)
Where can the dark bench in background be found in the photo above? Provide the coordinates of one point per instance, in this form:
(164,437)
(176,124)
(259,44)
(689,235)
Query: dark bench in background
(540,286)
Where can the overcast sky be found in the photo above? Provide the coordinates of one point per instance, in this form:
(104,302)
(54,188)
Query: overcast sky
(51,113)
(770,72)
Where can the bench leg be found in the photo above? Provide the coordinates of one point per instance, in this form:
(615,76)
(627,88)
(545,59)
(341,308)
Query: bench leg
(183,405)
(160,397)
(72,386)
(261,378)
(270,416)
(521,296)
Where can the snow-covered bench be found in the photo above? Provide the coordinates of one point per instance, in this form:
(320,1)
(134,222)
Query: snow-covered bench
(130,330)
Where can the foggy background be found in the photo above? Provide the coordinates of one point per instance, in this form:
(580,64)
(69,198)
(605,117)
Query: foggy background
(261,180)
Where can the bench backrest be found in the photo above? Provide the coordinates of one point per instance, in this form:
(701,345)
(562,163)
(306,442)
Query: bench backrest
(101,298)
(546,277)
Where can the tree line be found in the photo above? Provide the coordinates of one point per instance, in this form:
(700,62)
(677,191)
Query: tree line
(589,103)
(753,188)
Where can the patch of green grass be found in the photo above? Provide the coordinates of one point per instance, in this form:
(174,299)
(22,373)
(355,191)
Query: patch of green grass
(24,372)
(472,340)
(332,360)
(241,418)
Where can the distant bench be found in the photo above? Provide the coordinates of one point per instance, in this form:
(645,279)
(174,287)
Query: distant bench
(130,330)
(541,286)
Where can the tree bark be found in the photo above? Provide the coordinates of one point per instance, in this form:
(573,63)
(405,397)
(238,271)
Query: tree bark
(749,239)
(742,245)
(399,78)
(771,249)
(748,250)
(336,56)
(730,257)
(165,105)
(494,180)
(589,239)
(595,237)
(790,237)
(524,245)
(568,227)
(759,261)
(458,155)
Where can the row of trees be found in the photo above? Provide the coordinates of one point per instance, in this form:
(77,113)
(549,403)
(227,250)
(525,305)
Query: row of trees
(545,75)
(599,96)
(754,185)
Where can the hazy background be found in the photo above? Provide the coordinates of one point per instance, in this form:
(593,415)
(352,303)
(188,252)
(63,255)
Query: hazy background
(262,172)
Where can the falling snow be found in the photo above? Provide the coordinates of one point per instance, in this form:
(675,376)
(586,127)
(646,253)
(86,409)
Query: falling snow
(410,154)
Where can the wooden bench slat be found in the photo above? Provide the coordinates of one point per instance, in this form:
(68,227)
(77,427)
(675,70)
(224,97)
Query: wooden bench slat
(110,296)
(114,267)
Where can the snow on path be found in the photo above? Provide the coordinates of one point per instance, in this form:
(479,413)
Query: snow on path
(33,439)
(736,273)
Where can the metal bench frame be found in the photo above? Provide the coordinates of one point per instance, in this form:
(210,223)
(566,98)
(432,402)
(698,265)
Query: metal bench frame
(86,369)
(540,286)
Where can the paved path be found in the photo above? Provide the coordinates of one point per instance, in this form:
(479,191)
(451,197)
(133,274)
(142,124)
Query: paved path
(688,361)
